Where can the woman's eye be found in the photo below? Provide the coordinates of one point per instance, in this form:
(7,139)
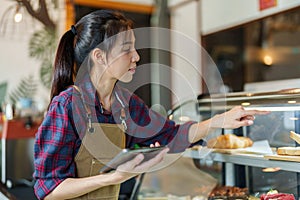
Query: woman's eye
(127,47)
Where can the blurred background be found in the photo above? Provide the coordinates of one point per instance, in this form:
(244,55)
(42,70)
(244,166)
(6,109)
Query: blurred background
(233,46)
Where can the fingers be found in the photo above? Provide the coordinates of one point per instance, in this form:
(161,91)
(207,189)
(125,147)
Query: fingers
(255,112)
(130,165)
(136,165)
(150,163)
(156,144)
(241,123)
(249,111)
(138,159)
(248,117)
(239,116)
(246,122)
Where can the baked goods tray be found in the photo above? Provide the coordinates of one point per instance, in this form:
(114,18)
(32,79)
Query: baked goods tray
(258,148)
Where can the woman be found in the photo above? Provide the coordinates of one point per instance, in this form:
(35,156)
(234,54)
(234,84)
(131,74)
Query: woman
(69,151)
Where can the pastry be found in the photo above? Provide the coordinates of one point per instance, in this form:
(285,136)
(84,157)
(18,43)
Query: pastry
(229,141)
(291,151)
(229,193)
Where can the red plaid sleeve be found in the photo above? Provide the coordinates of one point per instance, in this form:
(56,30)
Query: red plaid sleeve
(54,148)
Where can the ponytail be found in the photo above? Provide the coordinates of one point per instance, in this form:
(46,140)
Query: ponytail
(63,65)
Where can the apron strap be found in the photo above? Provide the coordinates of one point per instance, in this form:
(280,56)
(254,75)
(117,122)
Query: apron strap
(123,113)
(89,113)
(87,109)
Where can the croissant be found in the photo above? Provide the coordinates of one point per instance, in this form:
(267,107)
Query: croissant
(229,141)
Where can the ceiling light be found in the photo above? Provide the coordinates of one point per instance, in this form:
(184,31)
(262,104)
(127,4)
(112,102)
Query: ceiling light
(268,60)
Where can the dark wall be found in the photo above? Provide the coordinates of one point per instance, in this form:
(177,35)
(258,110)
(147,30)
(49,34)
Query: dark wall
(226,50)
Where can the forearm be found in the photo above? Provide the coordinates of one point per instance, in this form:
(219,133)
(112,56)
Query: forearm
(200,130)
(75,187)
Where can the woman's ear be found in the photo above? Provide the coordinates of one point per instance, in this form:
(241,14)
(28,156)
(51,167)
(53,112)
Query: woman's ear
(98,56)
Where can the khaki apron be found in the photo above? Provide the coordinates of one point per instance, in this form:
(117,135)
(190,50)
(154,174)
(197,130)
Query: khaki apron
(99,145)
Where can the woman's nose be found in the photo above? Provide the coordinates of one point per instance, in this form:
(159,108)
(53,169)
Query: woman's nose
(135,56)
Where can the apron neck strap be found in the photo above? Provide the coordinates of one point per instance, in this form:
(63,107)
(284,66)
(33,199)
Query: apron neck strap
(87,109)
(123,113)
(89,113)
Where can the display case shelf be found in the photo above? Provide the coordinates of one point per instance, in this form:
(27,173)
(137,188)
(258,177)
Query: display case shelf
(253,160)
(283,100)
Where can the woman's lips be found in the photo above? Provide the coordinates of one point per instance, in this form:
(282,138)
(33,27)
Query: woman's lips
(132,70)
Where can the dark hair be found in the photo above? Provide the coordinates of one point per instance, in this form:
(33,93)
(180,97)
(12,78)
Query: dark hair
(76,44)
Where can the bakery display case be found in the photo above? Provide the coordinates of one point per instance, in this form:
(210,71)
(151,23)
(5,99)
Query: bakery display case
(258,168)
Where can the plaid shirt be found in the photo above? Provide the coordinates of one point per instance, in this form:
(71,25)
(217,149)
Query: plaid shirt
(58,138)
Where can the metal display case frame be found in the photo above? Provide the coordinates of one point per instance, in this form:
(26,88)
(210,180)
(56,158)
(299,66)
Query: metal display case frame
(287,100)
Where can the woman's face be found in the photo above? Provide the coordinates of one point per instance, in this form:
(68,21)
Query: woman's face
(123,57)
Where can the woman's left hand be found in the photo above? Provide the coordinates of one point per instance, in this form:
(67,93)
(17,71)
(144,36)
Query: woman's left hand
(137,166)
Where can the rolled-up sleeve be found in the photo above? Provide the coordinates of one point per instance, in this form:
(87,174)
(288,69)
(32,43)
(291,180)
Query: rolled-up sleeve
(54,150)
(148,127)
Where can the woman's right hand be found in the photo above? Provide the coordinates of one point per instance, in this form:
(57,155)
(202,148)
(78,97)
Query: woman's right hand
(235,118)
(136,166)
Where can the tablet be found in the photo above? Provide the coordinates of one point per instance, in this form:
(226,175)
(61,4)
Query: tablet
(128,154)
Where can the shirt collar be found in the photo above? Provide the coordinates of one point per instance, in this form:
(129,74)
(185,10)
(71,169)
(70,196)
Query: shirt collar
(90,97)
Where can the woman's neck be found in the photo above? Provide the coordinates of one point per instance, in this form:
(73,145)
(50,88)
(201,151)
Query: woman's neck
(104,85)
(104,92)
